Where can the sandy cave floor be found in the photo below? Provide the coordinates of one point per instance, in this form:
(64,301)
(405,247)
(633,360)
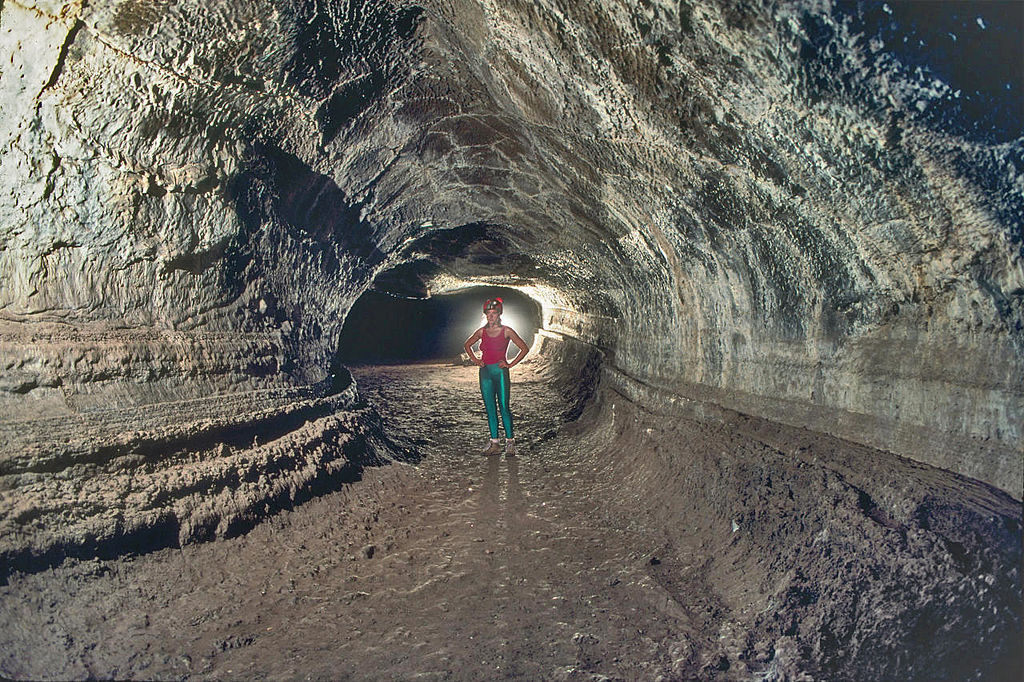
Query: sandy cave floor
(459,567)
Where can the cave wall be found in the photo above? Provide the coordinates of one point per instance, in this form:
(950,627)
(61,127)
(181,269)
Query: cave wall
(736,202)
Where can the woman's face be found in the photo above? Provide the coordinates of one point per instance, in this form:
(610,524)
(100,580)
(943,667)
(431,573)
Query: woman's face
(493,316)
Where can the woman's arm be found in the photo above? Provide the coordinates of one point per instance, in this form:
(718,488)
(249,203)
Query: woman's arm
(523,348)
(469,348)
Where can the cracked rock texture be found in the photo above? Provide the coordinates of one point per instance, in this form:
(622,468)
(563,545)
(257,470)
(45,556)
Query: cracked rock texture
(737,201)
(743,206)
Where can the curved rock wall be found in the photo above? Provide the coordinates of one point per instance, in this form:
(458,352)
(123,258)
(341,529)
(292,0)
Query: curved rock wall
(152,186)
(175,472)
(738,204)
(839,560)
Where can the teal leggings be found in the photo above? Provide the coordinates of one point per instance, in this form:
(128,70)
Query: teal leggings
(495,384)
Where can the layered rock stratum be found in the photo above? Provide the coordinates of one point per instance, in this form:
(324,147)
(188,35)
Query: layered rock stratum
(749,207)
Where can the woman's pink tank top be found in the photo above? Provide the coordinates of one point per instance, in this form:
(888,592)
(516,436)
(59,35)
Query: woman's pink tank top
(493,348)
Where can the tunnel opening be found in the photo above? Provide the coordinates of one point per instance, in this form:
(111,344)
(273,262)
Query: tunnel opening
(382,328)
(397,323)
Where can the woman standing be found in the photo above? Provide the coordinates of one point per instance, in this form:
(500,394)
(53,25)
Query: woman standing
(495,385)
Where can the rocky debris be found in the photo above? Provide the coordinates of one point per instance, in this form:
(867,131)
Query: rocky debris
(849,561)
(127,481)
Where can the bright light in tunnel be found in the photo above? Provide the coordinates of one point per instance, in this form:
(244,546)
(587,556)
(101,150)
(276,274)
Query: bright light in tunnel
(508,318)
(382,328)
(547,297)
(521,315)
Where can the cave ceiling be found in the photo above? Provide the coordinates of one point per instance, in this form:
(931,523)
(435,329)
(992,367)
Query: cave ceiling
(812,216)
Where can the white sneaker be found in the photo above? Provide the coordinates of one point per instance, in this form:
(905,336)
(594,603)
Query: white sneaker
(510,447)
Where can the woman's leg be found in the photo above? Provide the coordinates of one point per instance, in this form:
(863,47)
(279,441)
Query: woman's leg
(504,395)
(488,389)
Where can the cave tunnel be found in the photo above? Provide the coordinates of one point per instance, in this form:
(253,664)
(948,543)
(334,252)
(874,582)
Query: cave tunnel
(382,328)
(767,257)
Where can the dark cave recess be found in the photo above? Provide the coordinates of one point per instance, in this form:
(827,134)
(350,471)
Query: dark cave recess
(381,328)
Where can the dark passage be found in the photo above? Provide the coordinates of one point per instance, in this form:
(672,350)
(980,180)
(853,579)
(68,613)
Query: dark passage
(382,329)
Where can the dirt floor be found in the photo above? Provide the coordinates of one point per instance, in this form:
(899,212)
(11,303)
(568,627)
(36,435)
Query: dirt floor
(455,566)
(458,567)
